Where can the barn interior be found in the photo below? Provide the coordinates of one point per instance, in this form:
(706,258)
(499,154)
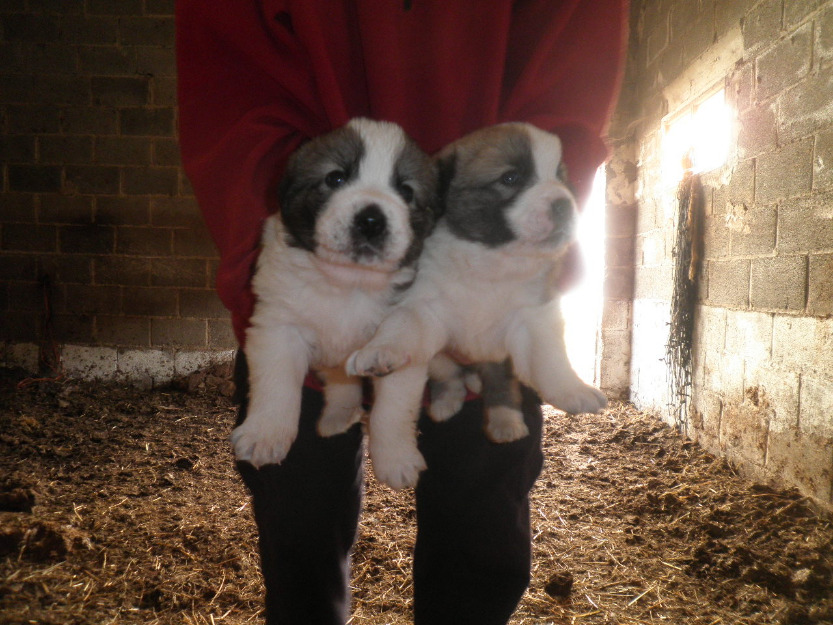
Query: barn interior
(715,298)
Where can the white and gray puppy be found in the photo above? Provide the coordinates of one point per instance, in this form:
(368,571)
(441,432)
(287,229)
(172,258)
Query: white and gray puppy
(485,291)
(356,206)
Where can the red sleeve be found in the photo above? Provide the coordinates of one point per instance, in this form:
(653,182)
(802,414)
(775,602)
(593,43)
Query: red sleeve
(246,101)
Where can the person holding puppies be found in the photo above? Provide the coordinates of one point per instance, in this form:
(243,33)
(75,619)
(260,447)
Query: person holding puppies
(259,78)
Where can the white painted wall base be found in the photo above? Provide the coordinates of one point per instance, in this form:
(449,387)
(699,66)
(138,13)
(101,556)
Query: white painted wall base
(144,368)
(649,373)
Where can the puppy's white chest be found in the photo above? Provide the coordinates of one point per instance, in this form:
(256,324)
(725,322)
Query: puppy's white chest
(334,319)
(483,291)
(480,331)
(341,325)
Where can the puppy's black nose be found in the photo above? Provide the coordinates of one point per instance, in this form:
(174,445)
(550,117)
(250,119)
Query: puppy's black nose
(562,209)
(562,217)
(370,224)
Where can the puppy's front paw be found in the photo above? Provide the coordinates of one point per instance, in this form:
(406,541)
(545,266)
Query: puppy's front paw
(375,361)
(261,442)
(334,422)
(399,469)
(504,424)
(580,398)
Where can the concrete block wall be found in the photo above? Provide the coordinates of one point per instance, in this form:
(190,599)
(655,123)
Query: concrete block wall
(763,363)
(93,196)
(617,314)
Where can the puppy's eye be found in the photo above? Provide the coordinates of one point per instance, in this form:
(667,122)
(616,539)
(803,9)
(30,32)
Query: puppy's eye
(335,179)
(511,178)
(406,191)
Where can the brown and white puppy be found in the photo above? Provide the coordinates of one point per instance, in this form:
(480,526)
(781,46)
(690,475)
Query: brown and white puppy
(356,206)
(485,291)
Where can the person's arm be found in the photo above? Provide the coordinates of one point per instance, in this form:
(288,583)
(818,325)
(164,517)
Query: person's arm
(246,101)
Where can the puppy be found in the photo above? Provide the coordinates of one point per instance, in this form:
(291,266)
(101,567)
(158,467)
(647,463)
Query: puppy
(485,291)
(356,206)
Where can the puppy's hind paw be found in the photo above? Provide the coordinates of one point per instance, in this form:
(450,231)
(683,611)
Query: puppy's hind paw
(473,381)
(376,362)
(332,423)
(447,399)
(260,445)
(504,424)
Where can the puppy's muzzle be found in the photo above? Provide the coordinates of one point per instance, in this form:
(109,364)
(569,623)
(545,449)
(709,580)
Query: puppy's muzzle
(562,213)
(563,216)
(369,231)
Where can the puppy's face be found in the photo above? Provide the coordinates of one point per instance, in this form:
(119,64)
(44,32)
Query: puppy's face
(506,184)
(360,197)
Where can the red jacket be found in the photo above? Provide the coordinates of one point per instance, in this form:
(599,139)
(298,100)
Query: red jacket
(258,77)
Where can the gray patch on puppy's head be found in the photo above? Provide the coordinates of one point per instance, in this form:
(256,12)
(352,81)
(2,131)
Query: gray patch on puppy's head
(314,172)
(481,176)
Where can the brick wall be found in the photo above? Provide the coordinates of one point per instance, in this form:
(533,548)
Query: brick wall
(763,387)
(93,196)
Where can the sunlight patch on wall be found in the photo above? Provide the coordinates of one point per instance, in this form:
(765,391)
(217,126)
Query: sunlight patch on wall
(699,139)
(582,306)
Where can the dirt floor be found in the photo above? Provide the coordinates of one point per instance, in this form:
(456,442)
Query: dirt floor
(122,506)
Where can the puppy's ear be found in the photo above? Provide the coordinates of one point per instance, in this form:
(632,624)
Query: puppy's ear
(433,203)
(446,169)
(286,184)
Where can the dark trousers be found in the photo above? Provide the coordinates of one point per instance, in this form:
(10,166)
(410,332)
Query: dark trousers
(472,555)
